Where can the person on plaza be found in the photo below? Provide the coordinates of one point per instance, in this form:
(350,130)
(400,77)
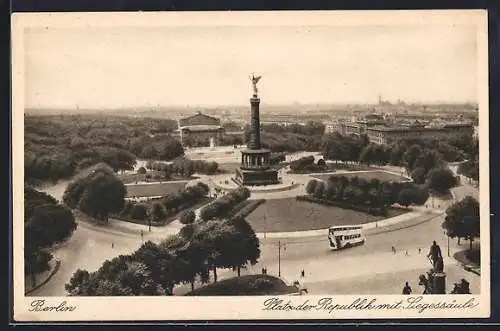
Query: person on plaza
(407,289)
(393,249)
(302,273)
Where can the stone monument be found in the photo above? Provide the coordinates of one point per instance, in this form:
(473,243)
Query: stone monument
(255,168)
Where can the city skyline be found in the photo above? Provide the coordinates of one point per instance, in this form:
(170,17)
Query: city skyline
(113,68)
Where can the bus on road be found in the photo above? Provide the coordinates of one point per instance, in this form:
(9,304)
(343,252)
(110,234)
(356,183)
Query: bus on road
(345,236)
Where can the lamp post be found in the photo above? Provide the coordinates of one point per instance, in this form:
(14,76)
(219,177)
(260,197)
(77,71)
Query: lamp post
(265,225)
(448,246)
(279,256)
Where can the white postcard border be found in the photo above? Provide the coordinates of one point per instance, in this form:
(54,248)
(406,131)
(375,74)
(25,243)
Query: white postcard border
(240,308)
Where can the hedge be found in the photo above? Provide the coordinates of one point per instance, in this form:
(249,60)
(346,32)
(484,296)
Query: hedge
(345,205)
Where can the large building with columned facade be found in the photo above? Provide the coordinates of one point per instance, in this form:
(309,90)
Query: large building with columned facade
(199,129)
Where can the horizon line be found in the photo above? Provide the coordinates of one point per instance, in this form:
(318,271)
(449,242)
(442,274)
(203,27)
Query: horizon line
(159,107)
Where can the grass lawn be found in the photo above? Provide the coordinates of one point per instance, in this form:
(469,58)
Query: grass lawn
(276,215)
(380,175)
(129,178)
(151,190)
(246,285)
(229,167)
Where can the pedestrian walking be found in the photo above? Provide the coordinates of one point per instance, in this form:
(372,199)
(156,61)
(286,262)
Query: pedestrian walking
(393,249)
(263,271)
(112,245)
(407,289)
(302,273)
(406,253)
(419,250)
(142,235)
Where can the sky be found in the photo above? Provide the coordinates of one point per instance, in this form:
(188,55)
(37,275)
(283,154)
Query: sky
(114,67)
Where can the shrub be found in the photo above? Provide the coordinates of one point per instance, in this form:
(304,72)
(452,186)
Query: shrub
(139,211)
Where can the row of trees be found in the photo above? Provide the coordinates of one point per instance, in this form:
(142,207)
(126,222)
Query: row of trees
(425,160)
(46,222)
(462,220)
(155,269)
(157,147)
(290,138)
(184,167)
(359,149)
(59,146)
(156,211)
(372,193)
(220,207)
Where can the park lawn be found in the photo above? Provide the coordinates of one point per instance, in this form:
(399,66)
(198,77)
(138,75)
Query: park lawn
(129,178)
(154,189)
(380,175)
(290,214)
(229,167)
(245,285)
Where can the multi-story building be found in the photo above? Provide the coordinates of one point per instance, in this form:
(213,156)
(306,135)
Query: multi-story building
(387,135)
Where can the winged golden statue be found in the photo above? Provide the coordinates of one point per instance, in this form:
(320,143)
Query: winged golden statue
(255,80)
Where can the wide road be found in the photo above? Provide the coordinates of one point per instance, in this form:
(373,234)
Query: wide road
(371,268)
(368,269)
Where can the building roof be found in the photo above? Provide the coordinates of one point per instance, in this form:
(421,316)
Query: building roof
(418,128)
(199,119)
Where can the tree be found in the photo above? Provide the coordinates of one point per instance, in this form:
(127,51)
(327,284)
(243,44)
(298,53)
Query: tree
(441,180)
(418,175)
(78,283)
(156,212)
(319,189)
(46,222)
(245,248)
(49,224)
(187,217)
(139,211)
(97,193)
(311,186)
(411,155)
(367,156)
(462,220)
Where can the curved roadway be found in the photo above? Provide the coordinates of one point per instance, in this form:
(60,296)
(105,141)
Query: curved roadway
(368,269)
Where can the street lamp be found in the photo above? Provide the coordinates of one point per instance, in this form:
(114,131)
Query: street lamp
(448,242)
(265,225)
(279,256)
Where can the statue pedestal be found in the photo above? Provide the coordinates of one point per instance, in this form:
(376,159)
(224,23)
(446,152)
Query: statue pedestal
(439,283)
(255,168)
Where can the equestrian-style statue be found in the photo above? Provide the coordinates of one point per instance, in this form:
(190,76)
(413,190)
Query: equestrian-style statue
(255,80)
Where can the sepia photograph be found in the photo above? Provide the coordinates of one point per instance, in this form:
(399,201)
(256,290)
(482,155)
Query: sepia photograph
(332,168)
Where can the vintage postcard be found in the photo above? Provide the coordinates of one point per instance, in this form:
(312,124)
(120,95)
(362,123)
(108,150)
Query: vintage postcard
(250,165)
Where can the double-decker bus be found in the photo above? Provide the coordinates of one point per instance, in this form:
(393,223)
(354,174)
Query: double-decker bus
(345,236)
